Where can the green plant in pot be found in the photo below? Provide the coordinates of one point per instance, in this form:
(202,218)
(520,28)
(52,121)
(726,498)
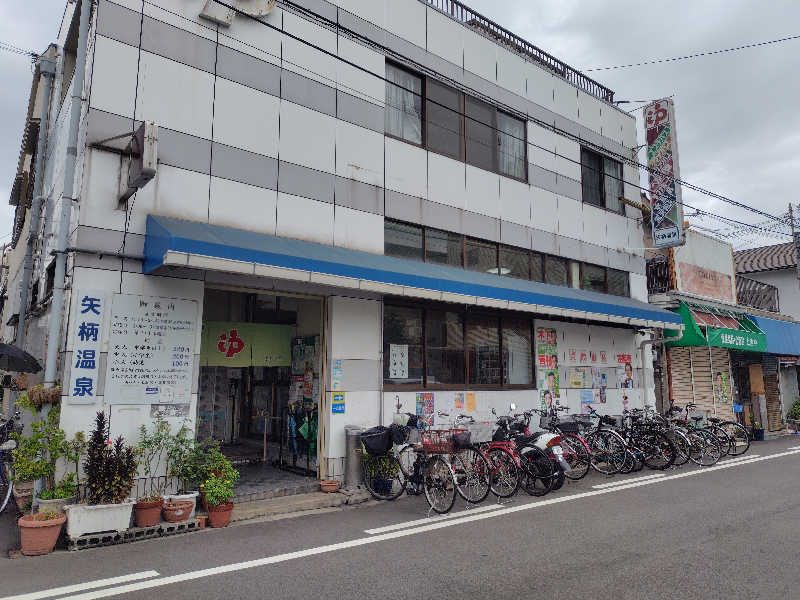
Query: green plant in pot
(186,459)
(217,487)
(150,450)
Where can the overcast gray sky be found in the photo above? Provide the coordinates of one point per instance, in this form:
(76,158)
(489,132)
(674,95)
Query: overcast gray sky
(738,123)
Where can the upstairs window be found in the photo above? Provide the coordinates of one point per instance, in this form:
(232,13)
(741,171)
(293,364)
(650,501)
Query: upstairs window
(511,146)
(445,120)
(403,104)
(402,240)
(601,180)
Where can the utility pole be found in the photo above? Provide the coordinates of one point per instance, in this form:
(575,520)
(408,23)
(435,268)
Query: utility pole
(796,240)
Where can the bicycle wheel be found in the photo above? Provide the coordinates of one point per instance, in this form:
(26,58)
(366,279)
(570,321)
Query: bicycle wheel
(682,446)
(740,439)
(410,463)
(538,473)
(630,463)
(383,477)
(505,476)
(608,451)
(705,450)
(471,472)
(439,484)
(5,488)
(722,437)
(659,451)
(576,453)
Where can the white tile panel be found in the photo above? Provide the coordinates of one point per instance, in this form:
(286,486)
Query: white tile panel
(515,201)
(355,328)
(638,287)
(114,76)
(570,217)
(589,108)
(540,86)
(180,194)
(355,81)
(617,231)
(100,200)
(635,237)
(566,100)
(357,230)
(480,56)
(246,118)
(568,162)
(369,10)
(406,167)
(242,206)
(567,167)
(630,176)
(302,58)
(544,210)
(446,180)
(305,219)
(159,78)
(595,225)
(253,38)
(541,146)
(406,19)
(184,14)
(445,37)
(483,192)
(610,123)
(299,126)
(629,132)
(511,71)
(359,153)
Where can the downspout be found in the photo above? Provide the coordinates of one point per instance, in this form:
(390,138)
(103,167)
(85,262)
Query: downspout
(57,303)
(654,342)
(47,69)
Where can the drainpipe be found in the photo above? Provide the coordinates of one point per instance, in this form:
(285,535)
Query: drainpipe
(57,303)
(654,342)
(47,69)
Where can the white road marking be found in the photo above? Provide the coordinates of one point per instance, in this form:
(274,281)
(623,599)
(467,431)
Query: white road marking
(79,587)
(734,458)
(279,558)
(601,486)
(461,513)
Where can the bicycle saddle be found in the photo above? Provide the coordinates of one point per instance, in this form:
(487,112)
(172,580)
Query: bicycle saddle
(715,419)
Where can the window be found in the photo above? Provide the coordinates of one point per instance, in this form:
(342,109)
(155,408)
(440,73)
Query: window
(403,104)
(50,279)
(511,145)
(444,248)
(594,278)
(483,350)
(481,256)
(402,338)
(445,122)
(618,283)
(537,267)
(481,127)
(403,241)
(444,347)
(517,357)
(515,262)
(601,180)
(555,270)
(574,274)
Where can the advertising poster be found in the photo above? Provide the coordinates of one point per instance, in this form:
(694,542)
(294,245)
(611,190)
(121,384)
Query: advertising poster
(471,405)
(425,409)
(547,362)
(458,403)
(721,389)
(398,361)
(625,377)
(587,400)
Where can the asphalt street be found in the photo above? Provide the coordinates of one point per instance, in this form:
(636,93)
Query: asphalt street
(725,532)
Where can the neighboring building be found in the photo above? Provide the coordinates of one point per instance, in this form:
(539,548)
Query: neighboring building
(736,355)
(770,272)
(353,206)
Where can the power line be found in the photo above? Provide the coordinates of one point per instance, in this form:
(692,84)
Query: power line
(697,55)
(9,47)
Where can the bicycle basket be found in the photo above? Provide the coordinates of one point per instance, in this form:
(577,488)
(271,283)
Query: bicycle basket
(606,420)
(545,422)
(377,441)
(439,441)
(570,427)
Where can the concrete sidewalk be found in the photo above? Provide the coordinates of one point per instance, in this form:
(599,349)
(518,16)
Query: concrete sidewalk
(298,504)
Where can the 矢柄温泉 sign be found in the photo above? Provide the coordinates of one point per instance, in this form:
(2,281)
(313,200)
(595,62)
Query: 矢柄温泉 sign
(662,160)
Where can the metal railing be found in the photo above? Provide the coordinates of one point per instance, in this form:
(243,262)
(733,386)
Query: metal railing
(658,279)
(470,18)
(757,294)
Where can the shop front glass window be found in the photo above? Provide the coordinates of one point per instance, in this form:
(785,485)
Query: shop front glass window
(402,346)
(483,350)
(444,338)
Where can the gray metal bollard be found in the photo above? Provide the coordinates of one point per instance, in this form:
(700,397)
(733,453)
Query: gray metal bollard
(352,469)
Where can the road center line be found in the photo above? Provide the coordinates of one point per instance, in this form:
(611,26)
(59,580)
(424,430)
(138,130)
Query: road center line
(279,558)
(405,524)
(601,486)
(80,587)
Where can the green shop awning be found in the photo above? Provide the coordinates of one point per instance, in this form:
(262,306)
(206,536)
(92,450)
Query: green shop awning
(719,327)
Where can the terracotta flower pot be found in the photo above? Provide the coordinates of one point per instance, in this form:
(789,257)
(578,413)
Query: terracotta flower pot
(220,516)
(39,535)
(175,512)
(329,485)
(147,514)
(23,493)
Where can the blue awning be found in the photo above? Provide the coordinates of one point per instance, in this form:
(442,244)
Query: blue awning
(174,242)
(783,337)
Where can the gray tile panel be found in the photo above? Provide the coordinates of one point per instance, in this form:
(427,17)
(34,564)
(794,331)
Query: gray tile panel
(619,260)
(358,25)
(515,234)
(480,85)
(360,112)
(567,125)
(308,92)
(544,241)
(541,178)
(249,70)
(441,216)
(359,196)
(118,23)
(178,44)
(403,207)
(481,226)
(569,247)
(101,125)
(302,181)
(568,187)
(407,50)
(245,167)
(183,150)
(325,9)
(539,113)
(444,67)
(637,264)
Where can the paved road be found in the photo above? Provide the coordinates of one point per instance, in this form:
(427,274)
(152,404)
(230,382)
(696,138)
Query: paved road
(726,532)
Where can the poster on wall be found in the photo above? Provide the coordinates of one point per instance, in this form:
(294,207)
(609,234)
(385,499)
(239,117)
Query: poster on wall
(236,344)
(458,401)
(626,377)
(721,389)
(579,377)
(90,309)
(150,350)
(398,361)
(587,400)
(547,363)
(425,408)
(471,403)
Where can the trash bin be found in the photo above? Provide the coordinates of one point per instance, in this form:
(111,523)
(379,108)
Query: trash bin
(352,468)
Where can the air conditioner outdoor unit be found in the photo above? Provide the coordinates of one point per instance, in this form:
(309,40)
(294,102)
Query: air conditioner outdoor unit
(140,167)
(221,14)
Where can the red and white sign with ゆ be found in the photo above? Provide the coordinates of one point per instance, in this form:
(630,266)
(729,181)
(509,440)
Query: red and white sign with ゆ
(230,343)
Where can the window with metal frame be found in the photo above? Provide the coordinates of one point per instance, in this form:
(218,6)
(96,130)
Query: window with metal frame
(403,115)
(601,181)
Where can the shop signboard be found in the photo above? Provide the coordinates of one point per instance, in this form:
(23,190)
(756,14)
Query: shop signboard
(236,344)
(662,160)
(737,339)
(338,402)
(547,364)
(88,325)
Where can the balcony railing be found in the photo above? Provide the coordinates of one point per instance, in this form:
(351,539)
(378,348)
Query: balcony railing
(658,279)
(757,294)
(515,43)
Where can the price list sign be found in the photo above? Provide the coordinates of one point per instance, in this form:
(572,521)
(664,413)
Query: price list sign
(150,350)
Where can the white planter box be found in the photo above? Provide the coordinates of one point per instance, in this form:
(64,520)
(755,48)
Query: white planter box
(188,497)
(83,518)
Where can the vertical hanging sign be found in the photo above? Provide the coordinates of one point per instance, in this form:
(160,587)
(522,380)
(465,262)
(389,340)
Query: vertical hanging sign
(90,308)
(662,159)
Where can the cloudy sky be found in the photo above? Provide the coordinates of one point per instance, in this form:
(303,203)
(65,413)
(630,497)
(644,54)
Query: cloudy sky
(738,125)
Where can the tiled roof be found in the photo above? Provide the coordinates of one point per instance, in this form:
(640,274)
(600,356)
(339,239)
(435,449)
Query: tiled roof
(766,258)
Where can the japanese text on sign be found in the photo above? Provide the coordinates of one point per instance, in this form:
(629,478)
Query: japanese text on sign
(88,324)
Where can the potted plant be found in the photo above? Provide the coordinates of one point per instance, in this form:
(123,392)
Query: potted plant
(185,462)
(150,450)
(39,533)
(217,488)
(758,432)
(110,469)
(55,499)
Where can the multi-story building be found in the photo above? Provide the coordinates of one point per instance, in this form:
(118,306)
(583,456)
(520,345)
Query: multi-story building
(356,205)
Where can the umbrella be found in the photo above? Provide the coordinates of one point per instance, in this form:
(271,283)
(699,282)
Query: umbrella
(14,359)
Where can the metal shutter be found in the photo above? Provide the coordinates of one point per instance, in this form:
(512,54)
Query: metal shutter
(772,393)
